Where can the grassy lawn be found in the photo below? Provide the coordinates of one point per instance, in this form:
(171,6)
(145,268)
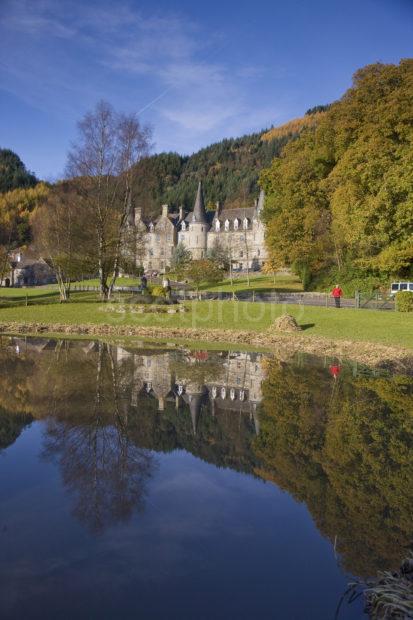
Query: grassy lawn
(358,325)
(282,284)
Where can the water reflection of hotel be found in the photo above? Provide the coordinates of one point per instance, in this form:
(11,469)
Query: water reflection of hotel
(218,381)
(235,386)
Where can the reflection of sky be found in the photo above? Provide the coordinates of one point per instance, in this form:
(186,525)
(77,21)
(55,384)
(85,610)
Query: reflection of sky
(211,543)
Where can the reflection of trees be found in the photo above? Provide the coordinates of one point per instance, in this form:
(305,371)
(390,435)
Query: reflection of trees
(11,425)
(15,373)
(345,448)
(14,394)
(101,467)
(99,463)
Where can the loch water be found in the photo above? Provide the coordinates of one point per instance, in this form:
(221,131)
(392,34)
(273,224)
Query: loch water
(143,481)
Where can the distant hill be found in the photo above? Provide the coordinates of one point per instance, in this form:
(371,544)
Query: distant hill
(229,171)
(13,172)
(293,127)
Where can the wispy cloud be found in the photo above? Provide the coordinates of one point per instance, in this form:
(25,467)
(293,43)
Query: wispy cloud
(64,55)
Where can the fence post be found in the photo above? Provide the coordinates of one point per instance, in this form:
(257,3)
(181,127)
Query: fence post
(326,300)
(253,295)
(357,299)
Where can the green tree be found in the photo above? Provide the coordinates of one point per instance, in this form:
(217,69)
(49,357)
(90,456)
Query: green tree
(180,258)
(13,172)
(203,270)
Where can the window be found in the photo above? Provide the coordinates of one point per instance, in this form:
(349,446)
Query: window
(183,226)
(403,286)
(241,254)
(236,223)
(226,224)
(150,252)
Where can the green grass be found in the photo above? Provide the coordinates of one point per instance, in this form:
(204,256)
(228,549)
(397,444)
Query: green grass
(358,325)
(260,283)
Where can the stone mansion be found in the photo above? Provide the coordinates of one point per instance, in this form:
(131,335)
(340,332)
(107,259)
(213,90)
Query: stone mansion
(239,231)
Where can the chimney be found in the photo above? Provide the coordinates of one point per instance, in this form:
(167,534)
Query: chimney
(181,213)
(165,209)
(218,207)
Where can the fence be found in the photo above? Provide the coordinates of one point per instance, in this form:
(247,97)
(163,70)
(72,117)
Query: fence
(360,300)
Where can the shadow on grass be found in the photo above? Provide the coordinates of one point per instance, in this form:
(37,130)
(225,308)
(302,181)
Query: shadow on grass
(307,326)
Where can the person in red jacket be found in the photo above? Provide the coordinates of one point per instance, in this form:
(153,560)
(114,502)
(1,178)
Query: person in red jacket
(337,293)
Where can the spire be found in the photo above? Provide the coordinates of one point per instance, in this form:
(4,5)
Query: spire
(199,214)
(261,199)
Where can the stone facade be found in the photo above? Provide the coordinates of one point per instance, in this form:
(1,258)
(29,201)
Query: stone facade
(240,231)
(27,269)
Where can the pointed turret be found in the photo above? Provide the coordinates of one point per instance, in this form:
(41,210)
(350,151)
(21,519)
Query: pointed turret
(261,200)
(199,213)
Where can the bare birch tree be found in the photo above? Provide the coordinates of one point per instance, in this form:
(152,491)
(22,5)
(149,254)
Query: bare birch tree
(102,163)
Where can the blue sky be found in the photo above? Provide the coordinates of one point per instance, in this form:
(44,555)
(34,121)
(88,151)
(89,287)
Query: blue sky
(196,71)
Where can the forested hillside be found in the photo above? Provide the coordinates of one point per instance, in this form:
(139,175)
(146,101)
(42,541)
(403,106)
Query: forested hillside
(13,172)
(229,171)
(339,201)
(20,193)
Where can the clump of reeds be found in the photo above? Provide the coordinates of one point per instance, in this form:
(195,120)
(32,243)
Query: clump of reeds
(391,596)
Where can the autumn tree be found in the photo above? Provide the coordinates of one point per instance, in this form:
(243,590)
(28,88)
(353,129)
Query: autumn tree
(61,238)
(16,209)
(103,164)
(340,196)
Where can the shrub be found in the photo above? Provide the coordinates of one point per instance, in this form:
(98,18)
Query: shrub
(157,291)
(404,301)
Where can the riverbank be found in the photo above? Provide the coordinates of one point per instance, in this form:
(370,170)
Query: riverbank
(282,345)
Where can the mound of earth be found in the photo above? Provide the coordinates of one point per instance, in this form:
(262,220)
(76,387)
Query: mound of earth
(286,323)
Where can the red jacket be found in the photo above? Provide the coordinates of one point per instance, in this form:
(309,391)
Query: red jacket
(337,292)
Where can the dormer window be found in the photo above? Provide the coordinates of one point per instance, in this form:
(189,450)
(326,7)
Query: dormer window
(236,223)
(151,227)
(217,225)
(245,223)
(183,226)
(226,224)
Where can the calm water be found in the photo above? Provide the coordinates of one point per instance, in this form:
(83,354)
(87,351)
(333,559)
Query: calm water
(155,483)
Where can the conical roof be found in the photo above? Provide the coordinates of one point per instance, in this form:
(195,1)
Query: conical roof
(199,213)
